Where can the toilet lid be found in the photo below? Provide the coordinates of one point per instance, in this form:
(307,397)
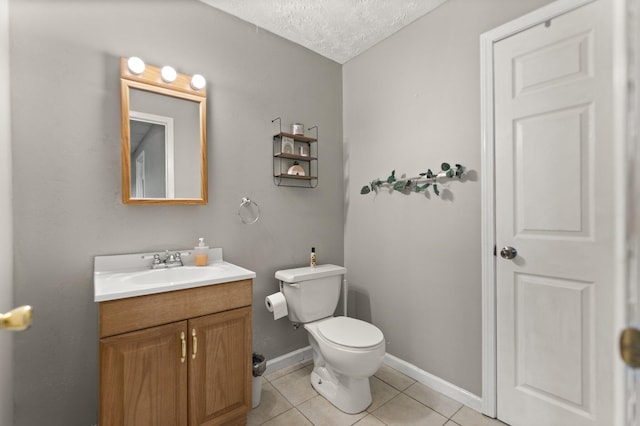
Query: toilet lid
(350,332)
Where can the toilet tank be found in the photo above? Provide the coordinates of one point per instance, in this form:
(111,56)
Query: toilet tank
(311,293)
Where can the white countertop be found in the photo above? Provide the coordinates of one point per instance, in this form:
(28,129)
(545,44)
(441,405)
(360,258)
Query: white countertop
(130,275)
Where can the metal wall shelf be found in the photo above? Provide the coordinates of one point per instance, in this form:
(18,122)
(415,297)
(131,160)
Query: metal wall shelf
(282,161)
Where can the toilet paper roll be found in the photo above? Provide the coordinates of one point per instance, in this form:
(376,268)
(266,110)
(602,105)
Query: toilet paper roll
(277,304)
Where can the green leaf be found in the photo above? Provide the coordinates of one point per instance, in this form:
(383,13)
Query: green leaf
(365,190)
(423,174)
(445,167)
(435,189)
(377,183)
(429,174)
(420,188)
(458,172)
(392,178)
(450,173)
(399,186)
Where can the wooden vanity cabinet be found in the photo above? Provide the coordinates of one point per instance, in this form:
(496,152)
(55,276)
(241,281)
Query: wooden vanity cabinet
(182,358)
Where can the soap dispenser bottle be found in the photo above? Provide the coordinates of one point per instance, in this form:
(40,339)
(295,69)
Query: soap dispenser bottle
(201,253)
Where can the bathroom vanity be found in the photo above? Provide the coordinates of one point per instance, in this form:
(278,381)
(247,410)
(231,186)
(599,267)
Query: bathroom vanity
(174,355)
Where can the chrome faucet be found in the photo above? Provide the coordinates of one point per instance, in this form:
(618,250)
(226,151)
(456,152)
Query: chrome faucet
(171,260)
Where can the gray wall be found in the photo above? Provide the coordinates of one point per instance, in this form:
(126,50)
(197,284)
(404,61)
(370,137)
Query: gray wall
(6,230)
(410,103)
(66,122)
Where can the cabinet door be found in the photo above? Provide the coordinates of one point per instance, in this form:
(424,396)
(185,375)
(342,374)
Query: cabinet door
(143,380)
(220,368)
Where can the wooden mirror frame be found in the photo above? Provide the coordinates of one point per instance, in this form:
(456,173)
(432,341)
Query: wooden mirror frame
(150,80)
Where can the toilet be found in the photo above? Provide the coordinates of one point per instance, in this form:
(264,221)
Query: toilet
(346,351)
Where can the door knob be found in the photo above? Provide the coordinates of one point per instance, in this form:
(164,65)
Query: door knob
(508,252)
(17,319)
(630,347)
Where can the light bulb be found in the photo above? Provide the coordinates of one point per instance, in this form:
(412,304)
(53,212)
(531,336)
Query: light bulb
(198,82)
(135,65)
(168,74)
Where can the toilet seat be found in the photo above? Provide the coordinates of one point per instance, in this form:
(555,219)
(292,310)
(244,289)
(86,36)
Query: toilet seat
(350,332)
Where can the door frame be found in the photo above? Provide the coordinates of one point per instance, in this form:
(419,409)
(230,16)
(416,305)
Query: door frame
(487,166)
(169,146)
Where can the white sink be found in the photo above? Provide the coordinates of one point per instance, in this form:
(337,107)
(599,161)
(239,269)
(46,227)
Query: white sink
(120,276)
(185,274)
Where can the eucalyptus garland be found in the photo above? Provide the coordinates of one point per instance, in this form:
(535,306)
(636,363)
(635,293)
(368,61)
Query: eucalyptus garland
(416,184)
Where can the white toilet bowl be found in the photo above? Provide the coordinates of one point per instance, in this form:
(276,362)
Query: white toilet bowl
(346,352)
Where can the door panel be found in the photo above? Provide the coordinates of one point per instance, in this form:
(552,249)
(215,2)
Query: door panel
(554,312)
(552,153)
(143,379)
(552,333)
(553,64)
(220,368)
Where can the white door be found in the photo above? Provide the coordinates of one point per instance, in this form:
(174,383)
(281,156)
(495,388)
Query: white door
(632,379)
(6,241)
(554,206)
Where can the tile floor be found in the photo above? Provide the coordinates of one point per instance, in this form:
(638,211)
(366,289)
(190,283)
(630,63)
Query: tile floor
(288,399)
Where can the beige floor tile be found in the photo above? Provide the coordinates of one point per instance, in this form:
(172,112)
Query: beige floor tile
(284,371)
(296,386)
(394,378)
(432,399)
(470,417)
(292,417)
(370,420)
(403,410)
(322,413)
(272,403)
(381,393)
(451,423)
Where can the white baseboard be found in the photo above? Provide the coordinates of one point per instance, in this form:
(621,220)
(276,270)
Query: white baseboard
(436,383)
(291,358)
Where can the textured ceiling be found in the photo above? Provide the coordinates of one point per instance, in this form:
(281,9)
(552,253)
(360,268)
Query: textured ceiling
(336,29)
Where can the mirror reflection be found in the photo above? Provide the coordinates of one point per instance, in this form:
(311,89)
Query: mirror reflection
(165,146)
(164,143)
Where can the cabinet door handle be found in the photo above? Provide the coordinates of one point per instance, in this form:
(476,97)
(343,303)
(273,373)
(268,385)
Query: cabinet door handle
(184,347)
(195,344)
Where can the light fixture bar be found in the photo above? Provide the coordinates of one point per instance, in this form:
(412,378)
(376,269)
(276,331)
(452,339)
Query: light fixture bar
(135,69)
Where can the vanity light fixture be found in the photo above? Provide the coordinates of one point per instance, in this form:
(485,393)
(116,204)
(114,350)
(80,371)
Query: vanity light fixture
(166,77)
(135,65)
(198,82)
(168,74)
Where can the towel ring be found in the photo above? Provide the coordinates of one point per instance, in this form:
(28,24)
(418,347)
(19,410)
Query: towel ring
(248,211)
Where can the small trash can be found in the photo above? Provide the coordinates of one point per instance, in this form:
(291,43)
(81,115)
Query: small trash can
(259,365)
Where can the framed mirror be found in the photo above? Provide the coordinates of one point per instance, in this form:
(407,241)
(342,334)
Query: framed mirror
(164,136)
